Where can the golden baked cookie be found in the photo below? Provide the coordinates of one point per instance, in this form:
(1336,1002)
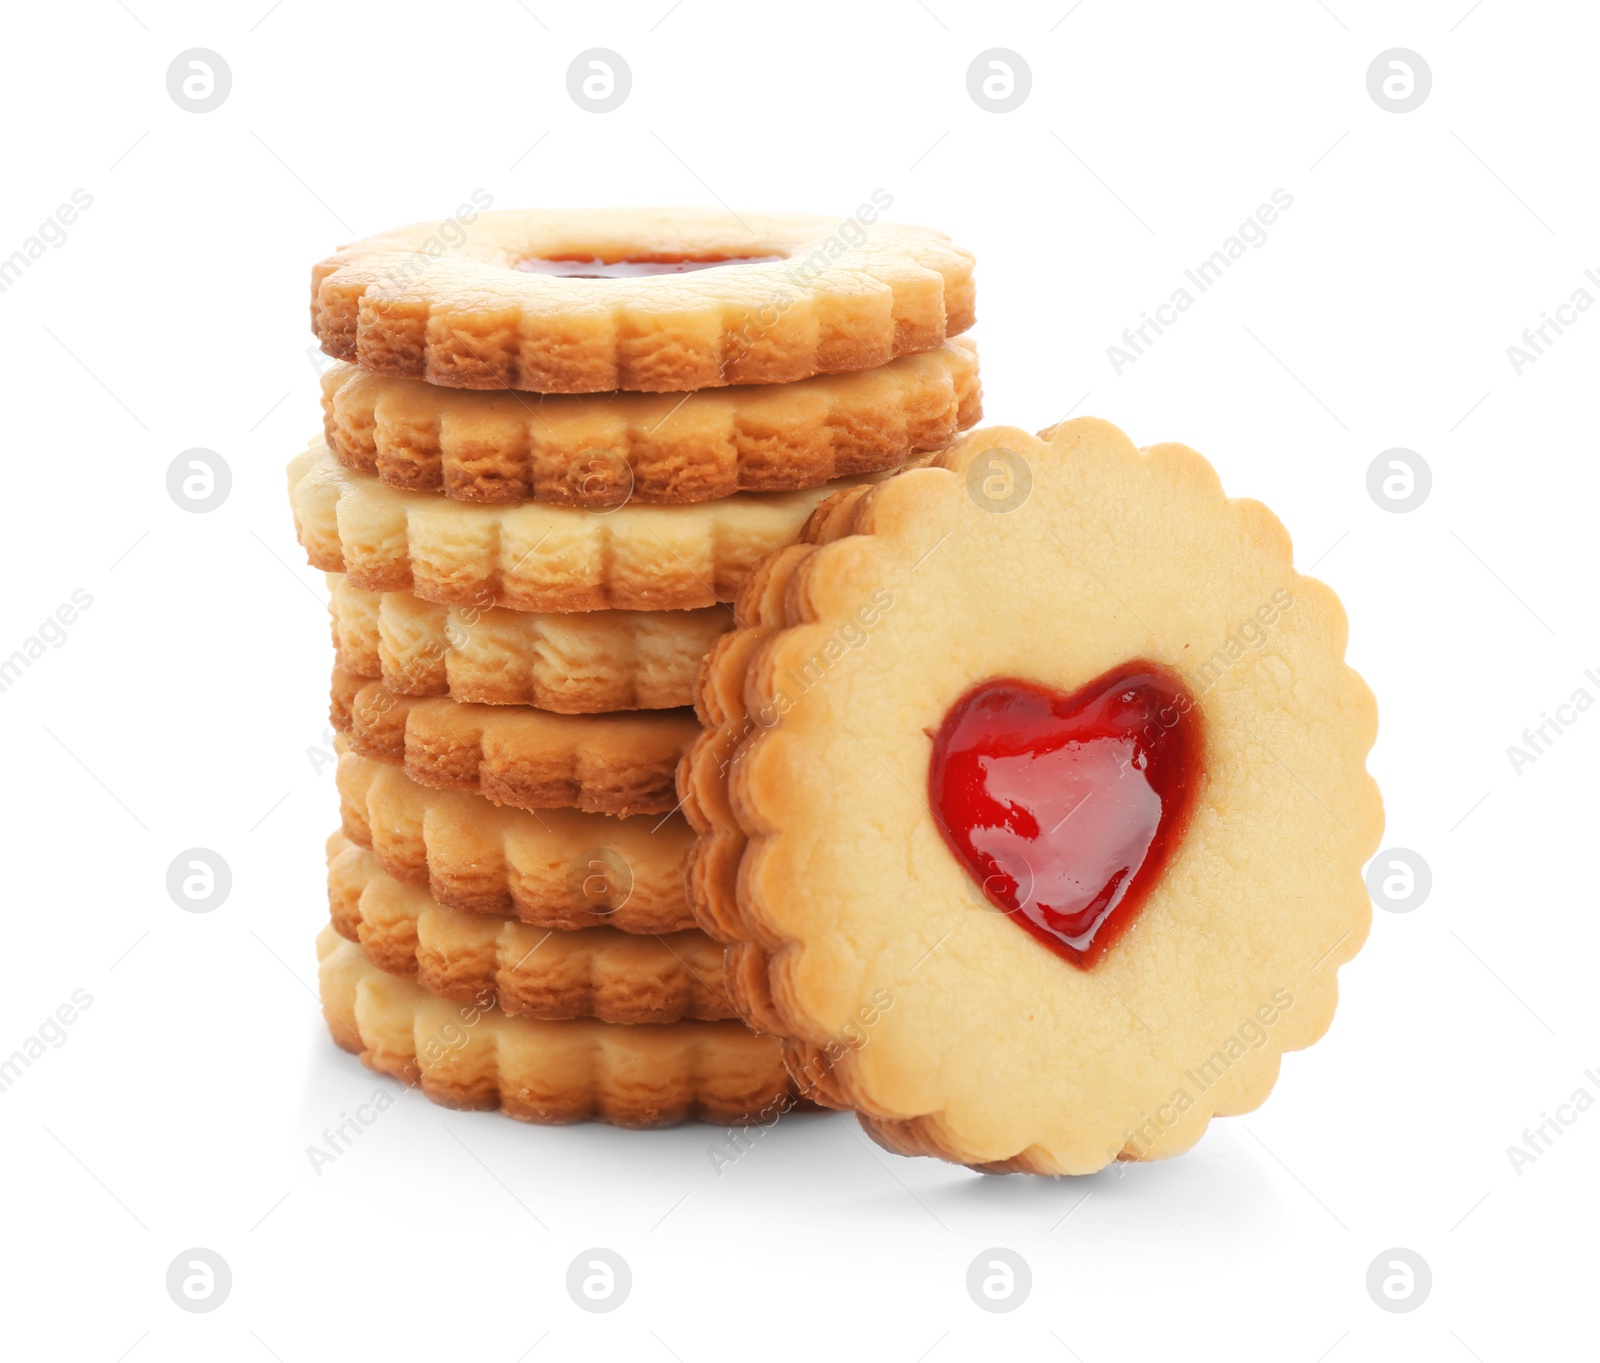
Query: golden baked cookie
(529,972)
(471,1055)
(534,557)
(556,868)
(599,452)
(650,299)
(583,663)
(517,755)
(1035,802)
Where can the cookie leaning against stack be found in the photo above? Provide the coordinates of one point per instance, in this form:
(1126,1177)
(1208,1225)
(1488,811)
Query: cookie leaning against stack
(524,586)
(1071,827)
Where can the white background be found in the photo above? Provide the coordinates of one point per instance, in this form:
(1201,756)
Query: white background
(187,705)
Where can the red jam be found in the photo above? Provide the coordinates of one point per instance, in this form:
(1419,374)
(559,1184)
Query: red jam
(629,267)
(1065,809)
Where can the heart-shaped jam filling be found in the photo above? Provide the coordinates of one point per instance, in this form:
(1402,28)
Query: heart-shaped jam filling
(1063,808)
(629,267)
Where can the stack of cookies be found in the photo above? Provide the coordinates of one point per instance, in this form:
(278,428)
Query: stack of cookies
(557,445)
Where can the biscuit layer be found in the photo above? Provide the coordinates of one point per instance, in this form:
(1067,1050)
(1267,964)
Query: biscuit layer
(472,1055)
(531,972)
(533,557)
(517,755)
(584,663)
(557,868)
(599,452)
(447,303)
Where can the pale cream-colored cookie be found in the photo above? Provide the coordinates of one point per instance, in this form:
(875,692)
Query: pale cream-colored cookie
(472,1055)
(571,300)
(530,972)
(599,452)
(517,755)
(534,557)
(556,868)
(583,663)
(964,719)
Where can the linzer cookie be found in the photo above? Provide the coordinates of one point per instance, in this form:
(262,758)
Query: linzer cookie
(530,972)
(599,452)
(650,299)
(533,557)
(1041,771)
(556,868)
(517,755)
(470,1054)
(582,663)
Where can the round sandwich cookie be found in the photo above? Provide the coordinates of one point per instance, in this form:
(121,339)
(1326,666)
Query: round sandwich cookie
(545,973)
(588,662)
(533,557)
(470,1054)
(1033,802)
(555,868)
(648,299)
(601,451)
(518,755)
